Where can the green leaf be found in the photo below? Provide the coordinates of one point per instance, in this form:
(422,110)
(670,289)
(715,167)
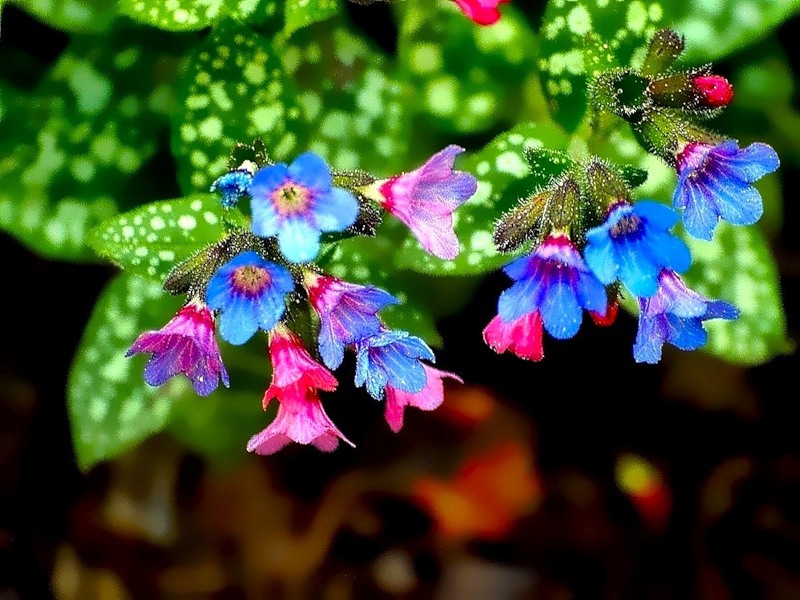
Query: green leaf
(580,39)
(302,13)
(150,240)
(233,89)
(354,109)
(79,16)
(714,30)
(188,15)
(467,79)
(738,266)
(110,407)
(503,178)
(71,147)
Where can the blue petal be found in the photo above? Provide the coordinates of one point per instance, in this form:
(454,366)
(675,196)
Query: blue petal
(600,255)
(737,202)
(701,214)
(668,251)
(718,309)
(686,334)
(560,311)
(591,293)
(218,290)
(519,268)
(657,214)
(311,171)
(298,241)
(636,270)
(238,322)
(335,210)
(519,300)
(362,364)
(330,349)
(649,340)
(752,163)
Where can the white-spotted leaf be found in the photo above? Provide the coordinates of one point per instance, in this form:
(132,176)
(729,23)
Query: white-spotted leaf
(189,15)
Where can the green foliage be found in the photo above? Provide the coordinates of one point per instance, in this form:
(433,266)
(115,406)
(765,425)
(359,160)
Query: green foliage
(189,15)
(302,13)
(149,241)
(84,16)
(110,407)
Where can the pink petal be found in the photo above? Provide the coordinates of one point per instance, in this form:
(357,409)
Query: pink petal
(430,398)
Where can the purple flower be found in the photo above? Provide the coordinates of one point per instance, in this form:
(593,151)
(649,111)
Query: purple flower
(391,358)
(297,203)
(425,199)
(555,281)
(347,313)
(250,294)
(184,345)
(675,314)
(634,244)
(715,182)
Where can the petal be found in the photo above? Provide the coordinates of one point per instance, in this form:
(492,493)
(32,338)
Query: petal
(311,171)
(335,210)
(657,214)
(701,214)
(686,334)
(520,299)
(752,163)
(718,309)
(560,311)
(737,202)
(591,294)
(298,241)
(238,322)
(647,347)
(601,256)
(265,220)
(669,252)
(636,270)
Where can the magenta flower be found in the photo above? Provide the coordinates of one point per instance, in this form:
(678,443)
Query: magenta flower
(522,336)
(300,419)
(482,12)
(184,345)
(430,398)
(425,199)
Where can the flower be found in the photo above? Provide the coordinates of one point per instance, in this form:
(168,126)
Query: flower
(292,366)
(482,12)
(302,419)
(715,182)
(233,186)
(634,244)
(391,357)
(249,292)
(556,282)
(347,313)
(675,314)
(522,336)
(297,203)
(429,398)
(425,199)
(715,90)
(184,345)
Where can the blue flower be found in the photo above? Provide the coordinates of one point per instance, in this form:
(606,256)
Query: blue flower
(634,244)
(347,313)
(233,186)
(675,314)
(392,358)
(714,182)
(250,294)
(555,281)
(297,203)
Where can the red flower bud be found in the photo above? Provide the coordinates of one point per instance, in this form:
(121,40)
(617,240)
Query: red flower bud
(607,319)
(714,89)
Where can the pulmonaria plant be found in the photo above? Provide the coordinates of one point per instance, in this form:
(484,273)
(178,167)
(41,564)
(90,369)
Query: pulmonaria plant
(591,241)
(262,276)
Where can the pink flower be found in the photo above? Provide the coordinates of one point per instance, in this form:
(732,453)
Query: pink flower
(715,90)
(482,12)
(184,345)
(430,398)
(425,199)
(300,419)
(522,336)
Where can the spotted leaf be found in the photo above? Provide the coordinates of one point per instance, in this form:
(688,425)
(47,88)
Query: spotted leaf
(302,13)
(188,15)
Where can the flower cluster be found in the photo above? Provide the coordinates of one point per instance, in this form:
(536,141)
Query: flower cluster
(593,242)
(244,284)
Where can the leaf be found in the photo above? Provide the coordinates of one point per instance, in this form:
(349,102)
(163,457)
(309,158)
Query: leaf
(738,266)
(302,13)
(70,147)
(467,78)
(354,108)
(110,407)
(189,15)
(583,38)
(503,178)
(150,240)
(732,25)
(233,89)
(81,16)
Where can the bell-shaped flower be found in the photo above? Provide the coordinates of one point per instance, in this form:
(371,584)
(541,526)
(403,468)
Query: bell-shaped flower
(634,244)
(429,398)
(715,182)
(297,203)
(522,336)
(347,313)
(391,357)
(184,345)
(425,199)
(675,314)
(250,294)
(482,12)
(556,282)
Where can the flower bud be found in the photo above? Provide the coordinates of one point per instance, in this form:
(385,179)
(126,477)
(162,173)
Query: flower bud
(714,90)
(665,48)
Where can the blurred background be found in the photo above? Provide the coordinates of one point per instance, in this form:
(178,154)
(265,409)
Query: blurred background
(583,476)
